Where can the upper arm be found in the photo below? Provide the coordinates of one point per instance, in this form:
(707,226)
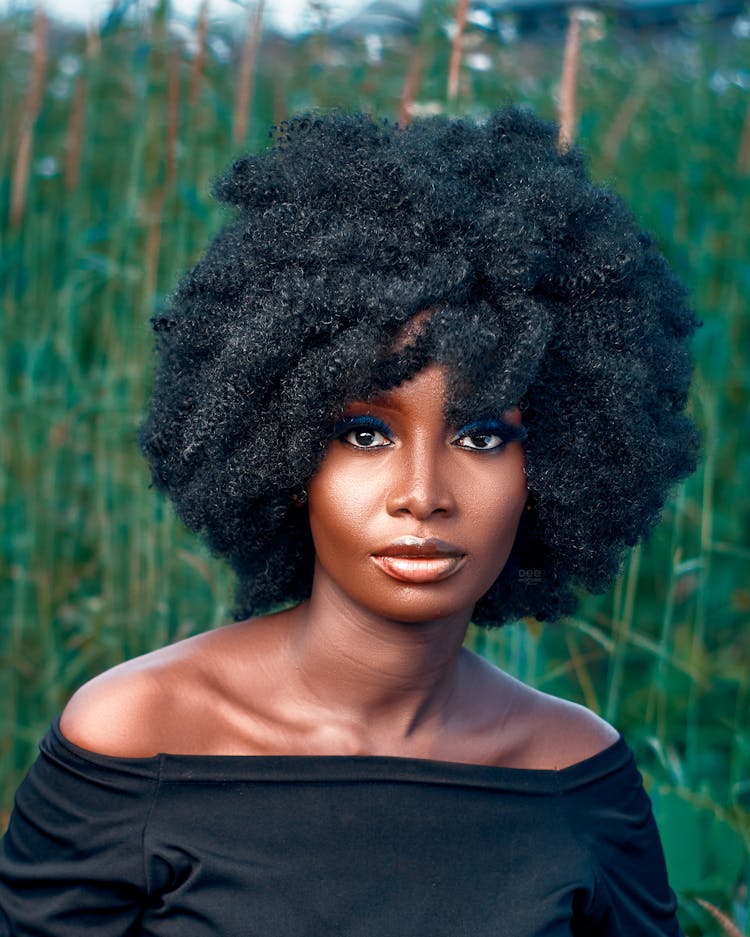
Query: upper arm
(72,859)
(631,894)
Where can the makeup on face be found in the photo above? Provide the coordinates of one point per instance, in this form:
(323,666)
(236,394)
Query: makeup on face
(413,518)
(419,559)
(367,431)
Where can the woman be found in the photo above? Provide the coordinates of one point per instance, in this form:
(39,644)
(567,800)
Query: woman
(417,365)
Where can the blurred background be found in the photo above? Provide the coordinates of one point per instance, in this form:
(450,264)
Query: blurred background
(114,123)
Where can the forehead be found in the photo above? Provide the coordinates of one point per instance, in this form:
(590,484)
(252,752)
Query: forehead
(488,358)
(426,394)
(425,389)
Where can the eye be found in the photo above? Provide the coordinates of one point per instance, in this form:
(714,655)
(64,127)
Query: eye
(488,436)
(363,432)
(480,441)
(365,438)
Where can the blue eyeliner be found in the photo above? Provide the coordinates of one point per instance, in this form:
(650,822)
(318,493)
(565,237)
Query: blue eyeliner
(506,431)
(363,419)
(492,426)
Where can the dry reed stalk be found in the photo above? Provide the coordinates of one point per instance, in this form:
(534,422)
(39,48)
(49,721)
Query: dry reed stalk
(93,40)
(74,136)
(728,926)
(20,179)
(31,106)
(621,124)
(153,243)
(76,124)
(410,87)
(155,211)
(578,662)
(571,57)
(39,34)
(455,62)
(279,100)
(200,54)
(173,114)
(743,154)
(243,100)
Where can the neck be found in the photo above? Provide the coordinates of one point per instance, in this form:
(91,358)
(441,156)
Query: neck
(369,675)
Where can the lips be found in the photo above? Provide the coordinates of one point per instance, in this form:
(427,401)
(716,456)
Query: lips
(419,560)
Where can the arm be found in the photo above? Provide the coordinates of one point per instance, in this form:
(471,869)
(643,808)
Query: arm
(631,894)
(72,859)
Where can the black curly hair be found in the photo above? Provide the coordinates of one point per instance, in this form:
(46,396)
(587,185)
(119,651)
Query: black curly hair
(544,291)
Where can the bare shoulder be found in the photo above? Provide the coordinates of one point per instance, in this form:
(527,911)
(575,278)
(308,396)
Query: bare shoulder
(538,731)
(132,710)
(197,696)
(566,733)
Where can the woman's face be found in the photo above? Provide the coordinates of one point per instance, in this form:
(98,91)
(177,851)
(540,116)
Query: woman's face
(413,519)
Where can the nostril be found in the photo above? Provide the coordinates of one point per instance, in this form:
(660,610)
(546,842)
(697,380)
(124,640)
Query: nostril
(421,491)
(420,508)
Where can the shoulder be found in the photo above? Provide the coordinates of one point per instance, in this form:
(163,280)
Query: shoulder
(565,733)
(131,710)
(196,697)
(534,729)
(211,694)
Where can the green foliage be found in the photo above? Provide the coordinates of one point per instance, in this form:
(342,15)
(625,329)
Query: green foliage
(685,823)
(95,568)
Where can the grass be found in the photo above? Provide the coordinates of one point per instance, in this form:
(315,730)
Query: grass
(116,137)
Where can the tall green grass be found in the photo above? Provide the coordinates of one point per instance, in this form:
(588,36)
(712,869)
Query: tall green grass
(129,129)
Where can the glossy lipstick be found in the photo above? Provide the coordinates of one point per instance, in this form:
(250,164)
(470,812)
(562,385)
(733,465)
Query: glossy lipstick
(419,559)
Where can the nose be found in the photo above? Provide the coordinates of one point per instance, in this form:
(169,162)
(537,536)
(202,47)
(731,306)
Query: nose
(421,486)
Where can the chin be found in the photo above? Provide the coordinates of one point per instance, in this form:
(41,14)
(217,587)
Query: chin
(421,605)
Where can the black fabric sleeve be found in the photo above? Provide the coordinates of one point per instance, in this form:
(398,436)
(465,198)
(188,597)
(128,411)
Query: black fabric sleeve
(613,819)
(71,862)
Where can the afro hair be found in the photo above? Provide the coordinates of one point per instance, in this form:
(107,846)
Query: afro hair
(544,291)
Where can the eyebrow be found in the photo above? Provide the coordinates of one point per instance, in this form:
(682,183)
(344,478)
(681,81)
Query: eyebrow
(482,421)
(376,402)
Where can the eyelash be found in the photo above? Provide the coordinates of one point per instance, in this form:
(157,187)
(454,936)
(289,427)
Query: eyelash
(505,431)
(363,423)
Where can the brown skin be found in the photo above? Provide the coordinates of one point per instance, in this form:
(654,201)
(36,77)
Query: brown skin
(371,664)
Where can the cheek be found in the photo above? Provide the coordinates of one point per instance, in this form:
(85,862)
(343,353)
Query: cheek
(338,505)
(512,500)
(346,509)
(496,511)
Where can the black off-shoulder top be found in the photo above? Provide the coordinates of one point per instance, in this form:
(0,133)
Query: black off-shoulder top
(298,846)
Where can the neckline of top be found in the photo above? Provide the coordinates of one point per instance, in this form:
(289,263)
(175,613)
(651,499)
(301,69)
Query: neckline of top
(321,768)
